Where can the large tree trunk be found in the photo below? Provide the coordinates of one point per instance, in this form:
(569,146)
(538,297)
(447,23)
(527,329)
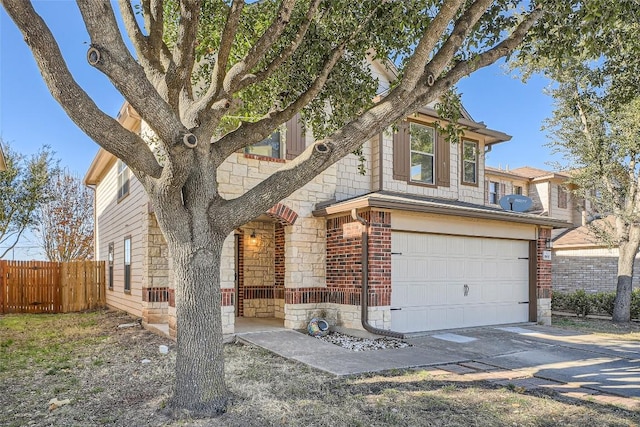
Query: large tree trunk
(622,303)
(200,390)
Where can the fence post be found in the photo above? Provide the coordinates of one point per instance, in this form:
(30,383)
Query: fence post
(3,287)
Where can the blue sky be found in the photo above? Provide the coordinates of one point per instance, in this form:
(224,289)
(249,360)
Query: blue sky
(30,117)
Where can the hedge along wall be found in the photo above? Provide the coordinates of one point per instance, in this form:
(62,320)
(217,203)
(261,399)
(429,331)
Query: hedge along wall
(591,269)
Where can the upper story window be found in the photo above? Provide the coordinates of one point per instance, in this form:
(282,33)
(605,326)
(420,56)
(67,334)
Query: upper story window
(494,189)
(123,179)
(562,197)
(469,162)
(269,147)
(423,153)
(517,189)
(421,156)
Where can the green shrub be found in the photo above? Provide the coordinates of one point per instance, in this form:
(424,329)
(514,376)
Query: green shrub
(603,302)
(583,304)
(580,303)
(635,304)
(560,301)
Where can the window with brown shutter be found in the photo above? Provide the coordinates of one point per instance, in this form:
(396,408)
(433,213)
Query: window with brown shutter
(423,146)
(493,194)
(562,197)
(443,157)
(295,140)
(401,151)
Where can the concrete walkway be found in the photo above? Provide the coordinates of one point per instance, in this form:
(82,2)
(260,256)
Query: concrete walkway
(529,356)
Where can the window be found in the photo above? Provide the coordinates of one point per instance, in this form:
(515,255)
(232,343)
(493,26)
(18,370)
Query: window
(562,197)
(493,192)
(422,153)
(469,162)
(517,189)
(123,179)
(127,264)
(269,147)
(110,260)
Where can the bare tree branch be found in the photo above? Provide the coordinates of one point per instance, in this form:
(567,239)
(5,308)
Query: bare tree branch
(436,28)
(286,53)
(262,46)
(463,27)
(249,133)
(78,105)
(464,68)
(179,77)
(115,60)
(228,36)
(144,51)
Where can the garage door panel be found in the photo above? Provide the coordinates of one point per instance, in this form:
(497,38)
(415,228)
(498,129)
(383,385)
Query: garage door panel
(429,288)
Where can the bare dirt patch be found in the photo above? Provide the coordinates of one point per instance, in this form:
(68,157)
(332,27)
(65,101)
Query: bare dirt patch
(87,359)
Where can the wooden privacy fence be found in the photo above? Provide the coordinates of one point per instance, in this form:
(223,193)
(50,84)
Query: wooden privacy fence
(51,287)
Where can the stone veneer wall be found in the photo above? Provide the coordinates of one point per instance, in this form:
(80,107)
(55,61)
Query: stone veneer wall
(543,278)
(155,272)
(258,270)
(589,269)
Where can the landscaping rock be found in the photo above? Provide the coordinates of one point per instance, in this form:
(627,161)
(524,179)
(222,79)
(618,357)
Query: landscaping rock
(362,344)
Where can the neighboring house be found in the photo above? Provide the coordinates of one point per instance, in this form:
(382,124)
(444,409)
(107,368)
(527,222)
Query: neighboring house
(549,191)
(438,256)
(581,261)
(3,165)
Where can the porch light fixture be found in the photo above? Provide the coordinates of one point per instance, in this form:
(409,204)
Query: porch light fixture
(253,239)
(547,243)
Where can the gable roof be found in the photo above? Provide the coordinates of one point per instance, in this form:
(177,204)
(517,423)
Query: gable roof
(488,170)
(3,164)
(583,237)
(535,174)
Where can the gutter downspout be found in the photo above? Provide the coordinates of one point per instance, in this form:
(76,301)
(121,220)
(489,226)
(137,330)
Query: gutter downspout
(364,297)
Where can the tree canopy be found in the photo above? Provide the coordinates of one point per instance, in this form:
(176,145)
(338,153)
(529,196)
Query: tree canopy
(65,222)
(24,187)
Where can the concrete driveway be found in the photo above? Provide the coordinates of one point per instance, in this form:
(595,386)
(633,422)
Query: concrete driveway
(577,359)
(528,355)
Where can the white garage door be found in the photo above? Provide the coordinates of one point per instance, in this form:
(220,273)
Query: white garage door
(442,281)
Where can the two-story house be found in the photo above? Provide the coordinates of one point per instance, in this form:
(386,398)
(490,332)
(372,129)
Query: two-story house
(414,234)
(579,259)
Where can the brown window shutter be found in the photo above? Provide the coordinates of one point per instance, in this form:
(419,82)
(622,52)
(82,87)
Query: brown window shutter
(503,190)
(401,152)
(295,140)
(486,191)
(443,161)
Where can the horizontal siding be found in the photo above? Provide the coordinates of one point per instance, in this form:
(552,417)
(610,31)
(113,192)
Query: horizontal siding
(114,221)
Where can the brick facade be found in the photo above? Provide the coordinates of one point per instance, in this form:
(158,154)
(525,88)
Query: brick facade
(543,274)
(589,269)
(543,278)
(344,260)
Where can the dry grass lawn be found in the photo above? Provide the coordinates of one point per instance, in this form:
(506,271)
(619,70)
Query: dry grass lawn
(87,359)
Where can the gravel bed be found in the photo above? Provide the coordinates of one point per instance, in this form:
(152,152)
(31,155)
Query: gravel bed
(362,344)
